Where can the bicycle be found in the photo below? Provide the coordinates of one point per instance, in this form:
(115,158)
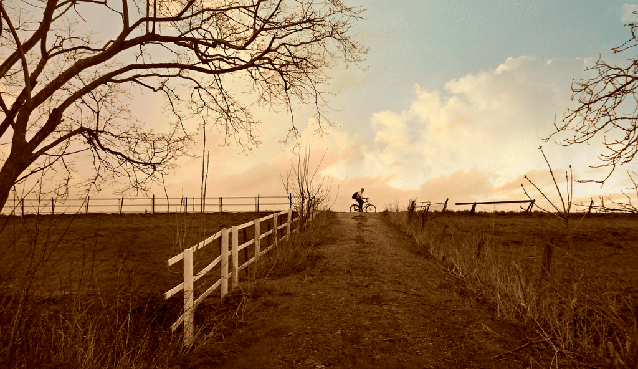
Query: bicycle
(367,207)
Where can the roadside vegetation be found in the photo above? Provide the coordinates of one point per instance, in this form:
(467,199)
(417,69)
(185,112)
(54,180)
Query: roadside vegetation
(571,278)
(97,313)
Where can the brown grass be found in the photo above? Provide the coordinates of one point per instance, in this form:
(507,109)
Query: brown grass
(87,290)
(584,308)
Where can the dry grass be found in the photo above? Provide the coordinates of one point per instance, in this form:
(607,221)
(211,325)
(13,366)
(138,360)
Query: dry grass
(81,293)
(583,308)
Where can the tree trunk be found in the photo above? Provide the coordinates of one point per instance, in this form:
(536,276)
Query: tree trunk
(11,170)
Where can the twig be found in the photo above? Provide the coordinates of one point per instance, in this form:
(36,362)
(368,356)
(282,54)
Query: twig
(520,347)
(398,338)
(411,293)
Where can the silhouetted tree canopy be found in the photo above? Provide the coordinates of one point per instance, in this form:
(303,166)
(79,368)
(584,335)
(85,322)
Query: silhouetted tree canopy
(65,89)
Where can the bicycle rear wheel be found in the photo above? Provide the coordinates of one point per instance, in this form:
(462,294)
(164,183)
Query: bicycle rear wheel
(371,208)
(354,208)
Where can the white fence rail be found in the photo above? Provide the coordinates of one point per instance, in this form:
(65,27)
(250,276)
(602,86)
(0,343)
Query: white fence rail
(227,235)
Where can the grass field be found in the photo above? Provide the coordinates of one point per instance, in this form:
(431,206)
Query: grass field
(107,252)
(604,244)
(583,307)
(87,290)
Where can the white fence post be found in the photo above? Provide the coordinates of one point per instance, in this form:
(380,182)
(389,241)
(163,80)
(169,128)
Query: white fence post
(189,321)
(224,275)
(257,238)
(274,217)
(289,222)
(235,257)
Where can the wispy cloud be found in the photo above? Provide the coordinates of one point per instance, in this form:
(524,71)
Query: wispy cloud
(489,120)
(628,13)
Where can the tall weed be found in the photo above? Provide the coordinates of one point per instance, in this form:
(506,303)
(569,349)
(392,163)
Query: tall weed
(570,309)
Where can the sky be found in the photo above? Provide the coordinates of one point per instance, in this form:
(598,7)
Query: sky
(452,102)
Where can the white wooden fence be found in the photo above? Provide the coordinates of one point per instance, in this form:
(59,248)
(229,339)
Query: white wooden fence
(228,235)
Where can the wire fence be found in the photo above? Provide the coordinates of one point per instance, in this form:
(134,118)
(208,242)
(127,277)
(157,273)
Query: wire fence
(148,205)
(517,206)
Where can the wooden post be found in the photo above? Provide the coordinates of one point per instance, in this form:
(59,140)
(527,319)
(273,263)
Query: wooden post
(189,309)
(186,205)
(220,205)
(590,206)
(288,223)
(153,204)
(257,238)
(269,224)
(423,216)
(224,254)
(444,205)
(411,208)
(235,258)
(52,206)
(87,205)
(290,198)
(275,230)
(473,209)
(257,204)
(121,205)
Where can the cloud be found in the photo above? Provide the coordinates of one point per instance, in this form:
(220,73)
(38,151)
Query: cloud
(475,139)
(462,186)
(628,13)
(472,140)
(490,120)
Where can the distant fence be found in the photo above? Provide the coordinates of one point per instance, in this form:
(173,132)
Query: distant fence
(227,236)
(152,205)
(427,206)
(602,208)
(527,210)
(424,207)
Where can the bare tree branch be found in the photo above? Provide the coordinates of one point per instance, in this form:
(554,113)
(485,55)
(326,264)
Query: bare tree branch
(606,105)
(70,95)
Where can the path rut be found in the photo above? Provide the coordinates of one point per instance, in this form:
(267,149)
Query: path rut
(373,301)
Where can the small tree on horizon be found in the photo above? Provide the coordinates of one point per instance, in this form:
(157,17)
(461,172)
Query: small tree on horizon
(65,91)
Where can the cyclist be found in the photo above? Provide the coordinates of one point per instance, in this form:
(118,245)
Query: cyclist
(359,197)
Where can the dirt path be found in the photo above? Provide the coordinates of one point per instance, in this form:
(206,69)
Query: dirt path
(372,302)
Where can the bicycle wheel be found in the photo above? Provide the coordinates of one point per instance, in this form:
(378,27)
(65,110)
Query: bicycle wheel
(354,208)
(371,208)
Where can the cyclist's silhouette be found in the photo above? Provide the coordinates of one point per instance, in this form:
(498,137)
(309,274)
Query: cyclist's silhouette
(359,197)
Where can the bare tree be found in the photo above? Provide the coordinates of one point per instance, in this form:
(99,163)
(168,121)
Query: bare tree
(606,106)
(65,90)
(309,195)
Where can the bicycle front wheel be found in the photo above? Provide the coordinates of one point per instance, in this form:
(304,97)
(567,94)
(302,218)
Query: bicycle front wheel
(371,208)
(354,208)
